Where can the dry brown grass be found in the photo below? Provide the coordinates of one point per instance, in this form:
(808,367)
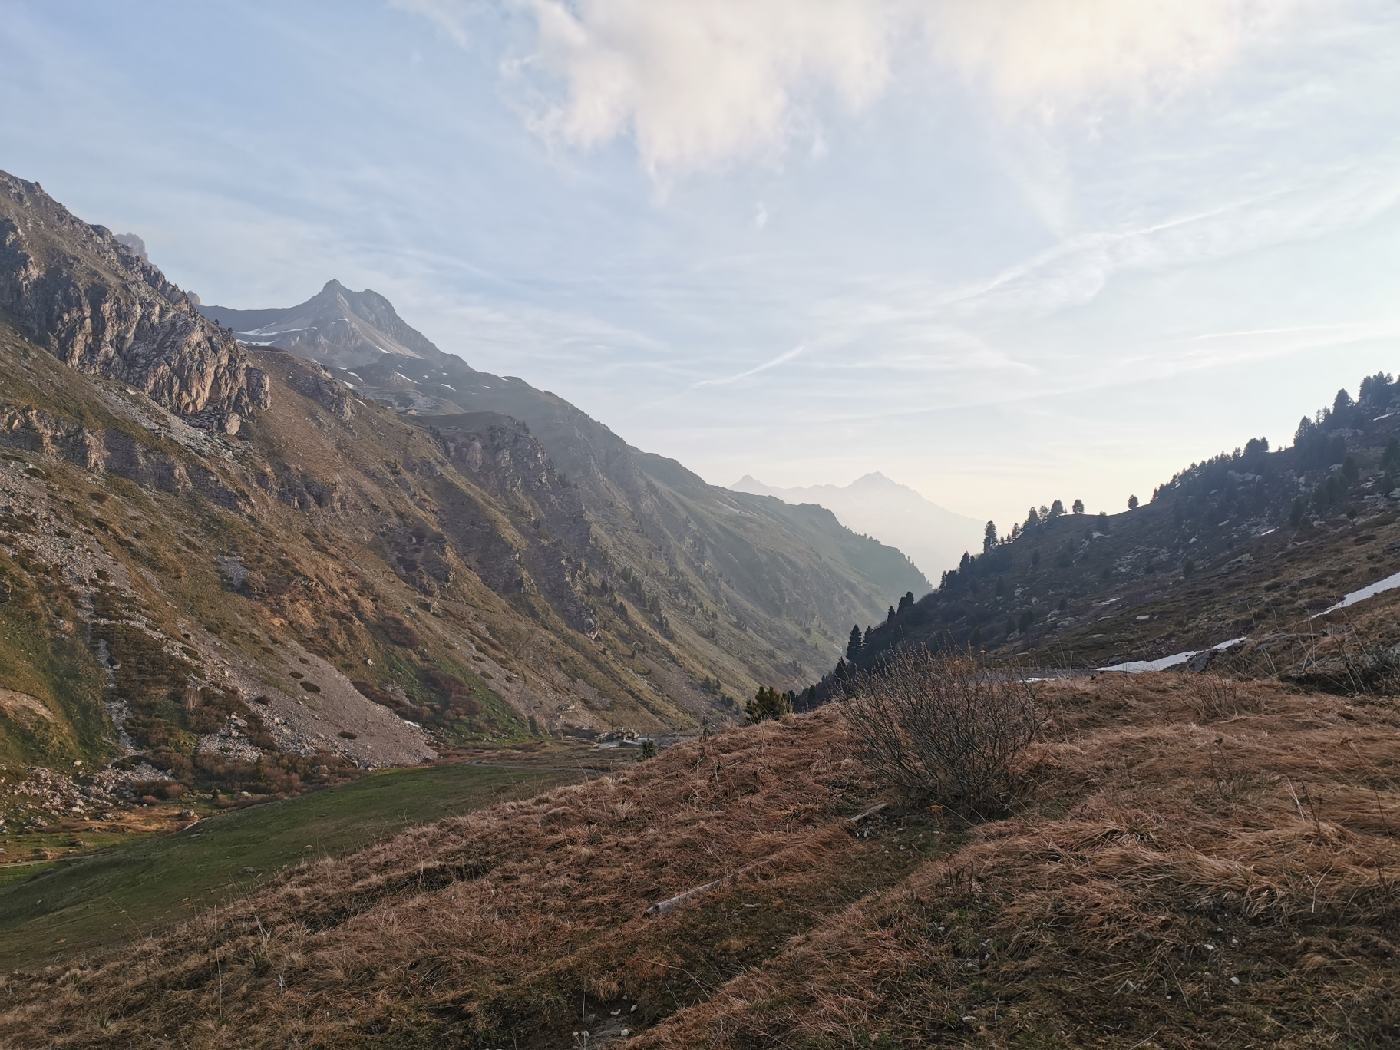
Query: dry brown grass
(1151,911)
(1217,697)
(495,925)
(1142,898)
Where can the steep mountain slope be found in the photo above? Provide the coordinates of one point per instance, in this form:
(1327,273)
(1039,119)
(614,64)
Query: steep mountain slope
(1173,881)
(99,307)
(933,537)
(1247,544)
(760,587)
(222,567)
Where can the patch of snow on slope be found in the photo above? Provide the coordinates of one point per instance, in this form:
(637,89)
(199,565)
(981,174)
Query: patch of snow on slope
(1167,662)
(1390,583)
(271,329)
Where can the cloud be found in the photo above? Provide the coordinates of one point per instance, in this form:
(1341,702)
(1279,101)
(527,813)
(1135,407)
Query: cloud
(450,16)
(1339,327)
(701,86)
(1076,270)
(781,359)
(1045,57)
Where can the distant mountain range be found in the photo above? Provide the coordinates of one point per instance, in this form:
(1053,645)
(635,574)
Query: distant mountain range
(933,536)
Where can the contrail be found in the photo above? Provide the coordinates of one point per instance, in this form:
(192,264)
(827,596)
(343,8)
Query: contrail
(781,359)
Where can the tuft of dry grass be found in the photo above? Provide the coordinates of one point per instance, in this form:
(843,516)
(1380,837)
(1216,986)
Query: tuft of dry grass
(1217,697)
(1168,884)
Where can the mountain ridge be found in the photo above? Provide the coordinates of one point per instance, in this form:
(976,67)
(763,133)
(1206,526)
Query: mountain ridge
(933,536)
(224,564)
(1247,548)
(654,515)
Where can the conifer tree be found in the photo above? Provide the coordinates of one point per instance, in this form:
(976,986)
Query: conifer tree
(853,646)
(1390,458)
(1375,390)
(767,703)
(1351,470)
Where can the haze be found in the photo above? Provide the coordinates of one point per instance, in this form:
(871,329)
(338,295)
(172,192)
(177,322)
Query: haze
(996,252)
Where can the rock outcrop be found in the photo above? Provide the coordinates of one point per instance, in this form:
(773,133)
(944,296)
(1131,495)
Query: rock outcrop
(96,305)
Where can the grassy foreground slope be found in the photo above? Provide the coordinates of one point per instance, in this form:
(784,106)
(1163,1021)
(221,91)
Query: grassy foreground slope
(134,888)
(1194,867)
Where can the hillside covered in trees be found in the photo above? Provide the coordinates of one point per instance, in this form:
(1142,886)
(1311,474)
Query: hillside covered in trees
(1241,540)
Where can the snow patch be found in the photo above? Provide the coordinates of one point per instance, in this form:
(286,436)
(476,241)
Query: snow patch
(270,329)
(1390,583)
(1167,662)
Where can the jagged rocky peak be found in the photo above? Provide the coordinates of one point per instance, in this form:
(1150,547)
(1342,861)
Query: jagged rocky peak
(135,245)
(100,307)
(336,326)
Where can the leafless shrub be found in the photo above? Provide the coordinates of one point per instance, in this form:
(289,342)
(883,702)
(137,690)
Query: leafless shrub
(945,729)
(1371,669)
(1215,697)
(1348,663)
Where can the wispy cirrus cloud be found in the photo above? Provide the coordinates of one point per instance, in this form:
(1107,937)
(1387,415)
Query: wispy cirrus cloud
(771,363)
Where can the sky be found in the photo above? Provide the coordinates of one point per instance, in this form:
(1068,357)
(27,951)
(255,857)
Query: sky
(1003,252)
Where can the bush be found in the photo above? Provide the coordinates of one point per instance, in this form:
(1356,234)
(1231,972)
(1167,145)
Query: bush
(942,728)
(767,703)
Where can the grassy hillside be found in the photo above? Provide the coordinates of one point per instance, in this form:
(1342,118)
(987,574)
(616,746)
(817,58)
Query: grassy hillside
(137,887)
(1181,874)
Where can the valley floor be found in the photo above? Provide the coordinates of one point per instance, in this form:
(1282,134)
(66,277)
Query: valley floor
(138,877)
(1195,867)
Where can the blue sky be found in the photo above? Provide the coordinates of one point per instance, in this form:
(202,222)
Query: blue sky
(1003,252)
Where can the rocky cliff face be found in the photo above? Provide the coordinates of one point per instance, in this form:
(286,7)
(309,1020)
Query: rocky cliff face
(93,303)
